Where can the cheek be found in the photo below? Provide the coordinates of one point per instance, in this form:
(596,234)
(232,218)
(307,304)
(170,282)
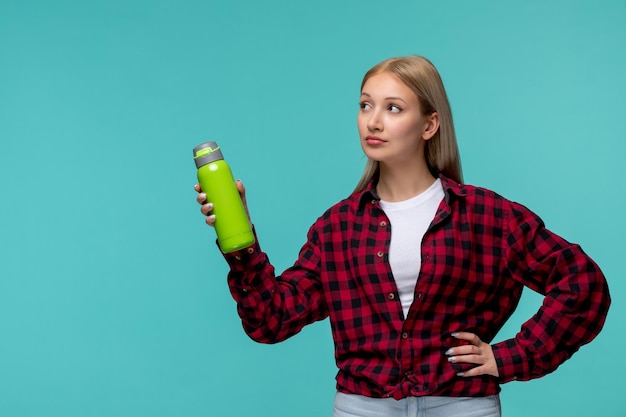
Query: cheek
(411,130)
(361,123)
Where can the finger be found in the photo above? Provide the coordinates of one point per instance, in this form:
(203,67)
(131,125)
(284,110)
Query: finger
(479,370)
(475,359)
(463,350)
(467,336)
(201,198)
(197,188)
(206,209)
(210,220)
(242,191)
(488,368)
(241,188)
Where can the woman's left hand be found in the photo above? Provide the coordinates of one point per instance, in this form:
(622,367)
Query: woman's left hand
(477,352)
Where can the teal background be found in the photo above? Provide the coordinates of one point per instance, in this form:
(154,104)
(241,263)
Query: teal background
(113,300)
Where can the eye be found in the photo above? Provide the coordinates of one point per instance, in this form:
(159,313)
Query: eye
(394,109)
(364,105)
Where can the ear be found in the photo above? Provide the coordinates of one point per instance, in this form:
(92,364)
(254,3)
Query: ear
(431,126)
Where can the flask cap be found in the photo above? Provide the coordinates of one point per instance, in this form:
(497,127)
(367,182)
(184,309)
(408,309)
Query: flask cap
(206,152)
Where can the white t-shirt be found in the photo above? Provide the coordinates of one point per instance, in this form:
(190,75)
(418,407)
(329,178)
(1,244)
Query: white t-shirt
(409,221)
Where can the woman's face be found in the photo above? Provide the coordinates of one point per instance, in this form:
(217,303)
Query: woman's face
(391,125)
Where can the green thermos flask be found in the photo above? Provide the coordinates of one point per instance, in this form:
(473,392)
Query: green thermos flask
(216,180)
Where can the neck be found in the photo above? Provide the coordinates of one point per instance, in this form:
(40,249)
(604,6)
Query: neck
(399,183)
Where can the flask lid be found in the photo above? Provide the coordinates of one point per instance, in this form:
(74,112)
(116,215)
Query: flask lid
(206,152)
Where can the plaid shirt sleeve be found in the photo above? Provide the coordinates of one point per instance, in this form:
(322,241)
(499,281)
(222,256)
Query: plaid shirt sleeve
(575,304)
(273,308)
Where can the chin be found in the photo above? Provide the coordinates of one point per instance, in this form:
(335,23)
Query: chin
(373,154)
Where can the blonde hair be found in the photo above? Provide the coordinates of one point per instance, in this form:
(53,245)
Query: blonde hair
(421,76)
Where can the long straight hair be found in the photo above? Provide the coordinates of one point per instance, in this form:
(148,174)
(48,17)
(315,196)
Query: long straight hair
(421,76)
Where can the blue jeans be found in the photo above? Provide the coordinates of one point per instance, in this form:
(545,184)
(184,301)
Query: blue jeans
(347,405)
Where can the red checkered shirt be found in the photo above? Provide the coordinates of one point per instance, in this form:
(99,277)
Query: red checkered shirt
(478,253)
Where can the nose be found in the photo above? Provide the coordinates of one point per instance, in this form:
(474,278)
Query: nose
(374,122)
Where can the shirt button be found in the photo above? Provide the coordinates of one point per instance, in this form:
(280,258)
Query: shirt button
(419,295)
(405,335)
(238,257)
(250,251)
(383,223)
(380,254)
(391,296)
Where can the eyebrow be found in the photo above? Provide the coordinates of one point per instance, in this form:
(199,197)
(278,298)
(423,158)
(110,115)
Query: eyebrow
(386,98)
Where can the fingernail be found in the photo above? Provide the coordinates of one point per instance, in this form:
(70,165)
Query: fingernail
(209,206)
(211,217)
(460,374)
(449,351)
(452,359)
(455,334)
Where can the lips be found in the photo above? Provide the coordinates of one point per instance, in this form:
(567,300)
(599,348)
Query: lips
(374,140)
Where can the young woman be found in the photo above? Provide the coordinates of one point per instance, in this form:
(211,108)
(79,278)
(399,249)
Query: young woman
(418,272)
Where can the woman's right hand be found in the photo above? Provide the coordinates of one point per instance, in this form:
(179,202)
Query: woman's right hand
(207,207)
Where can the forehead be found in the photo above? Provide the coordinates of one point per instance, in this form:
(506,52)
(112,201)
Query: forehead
(386,84)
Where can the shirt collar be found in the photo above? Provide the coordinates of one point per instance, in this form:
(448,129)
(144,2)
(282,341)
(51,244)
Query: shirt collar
(450,188)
